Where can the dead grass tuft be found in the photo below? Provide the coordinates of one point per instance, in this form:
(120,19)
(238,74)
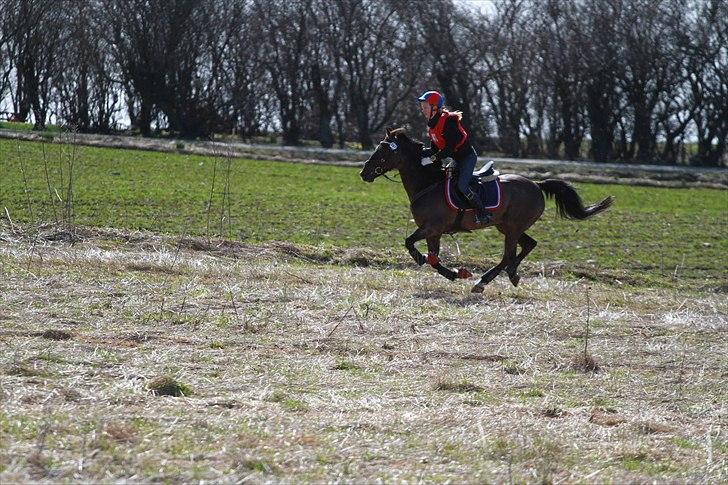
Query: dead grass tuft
(652,427)
(484,358)
(195,244)
(345,365)
(21,370)
(514,370)
(61,236)
(137,337)
(70,395)
(584,362)
(258,465)
(39,462)
(147,267)
(167,386)
(120,432)
(605,417)
(444,384)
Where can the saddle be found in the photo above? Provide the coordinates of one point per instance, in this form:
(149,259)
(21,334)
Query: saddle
(486,173)
(484,183)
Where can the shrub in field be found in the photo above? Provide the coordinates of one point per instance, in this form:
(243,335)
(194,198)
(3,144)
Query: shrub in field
(167,386)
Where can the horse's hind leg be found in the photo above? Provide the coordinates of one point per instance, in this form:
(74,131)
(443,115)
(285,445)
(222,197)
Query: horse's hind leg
(433,252)
(527,244)
(509,254)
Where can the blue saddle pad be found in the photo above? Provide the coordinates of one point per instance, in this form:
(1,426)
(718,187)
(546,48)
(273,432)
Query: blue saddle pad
(489,193)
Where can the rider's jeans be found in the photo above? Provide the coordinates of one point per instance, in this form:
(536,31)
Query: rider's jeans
(466,165)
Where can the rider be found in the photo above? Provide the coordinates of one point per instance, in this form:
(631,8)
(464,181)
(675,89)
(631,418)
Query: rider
(449,139)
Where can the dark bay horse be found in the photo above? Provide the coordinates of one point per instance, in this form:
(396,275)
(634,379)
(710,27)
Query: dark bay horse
(522,203)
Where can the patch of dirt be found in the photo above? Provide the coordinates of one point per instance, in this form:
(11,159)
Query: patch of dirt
(554,412)
(53,334)
(146,267)
(455,386)
(456,355)
(224,404)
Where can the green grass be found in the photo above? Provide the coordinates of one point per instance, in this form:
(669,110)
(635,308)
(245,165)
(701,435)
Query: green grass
(17,126)
(652,233)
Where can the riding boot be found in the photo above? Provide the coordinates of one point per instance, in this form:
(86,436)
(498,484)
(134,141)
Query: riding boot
(482,216)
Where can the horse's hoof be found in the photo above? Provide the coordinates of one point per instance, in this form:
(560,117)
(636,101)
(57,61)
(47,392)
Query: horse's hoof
(477,288)
(464,274)
(515,279)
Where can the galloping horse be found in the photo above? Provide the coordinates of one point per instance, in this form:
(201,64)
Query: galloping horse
(521,204)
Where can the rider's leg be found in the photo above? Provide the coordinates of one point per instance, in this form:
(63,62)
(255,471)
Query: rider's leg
(465,177)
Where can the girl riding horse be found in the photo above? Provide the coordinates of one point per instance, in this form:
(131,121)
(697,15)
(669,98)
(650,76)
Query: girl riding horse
(522,203)
(449,139)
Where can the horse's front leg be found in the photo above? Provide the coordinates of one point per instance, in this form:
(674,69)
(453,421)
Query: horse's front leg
(409,243)
(433,259)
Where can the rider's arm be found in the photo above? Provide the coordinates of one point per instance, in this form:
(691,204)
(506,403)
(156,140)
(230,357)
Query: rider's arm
(452,136)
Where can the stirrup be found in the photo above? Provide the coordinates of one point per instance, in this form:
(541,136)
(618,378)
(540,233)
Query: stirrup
(483,217)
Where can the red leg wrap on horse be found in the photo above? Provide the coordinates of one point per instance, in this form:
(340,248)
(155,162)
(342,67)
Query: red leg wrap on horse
(432,259)
(464,274)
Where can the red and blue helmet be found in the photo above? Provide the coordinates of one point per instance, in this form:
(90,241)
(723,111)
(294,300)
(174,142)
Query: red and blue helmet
(432,98)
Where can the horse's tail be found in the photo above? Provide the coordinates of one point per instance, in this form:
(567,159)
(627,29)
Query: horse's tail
(568,202)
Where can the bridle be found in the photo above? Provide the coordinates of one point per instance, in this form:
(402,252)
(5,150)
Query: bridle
(379,170)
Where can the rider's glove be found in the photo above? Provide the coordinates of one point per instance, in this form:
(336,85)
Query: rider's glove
(426,161)
(448,163)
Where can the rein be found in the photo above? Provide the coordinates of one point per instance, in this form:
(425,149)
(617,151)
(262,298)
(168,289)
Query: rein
(422,192)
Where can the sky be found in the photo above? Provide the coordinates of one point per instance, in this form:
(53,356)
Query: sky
(484,6)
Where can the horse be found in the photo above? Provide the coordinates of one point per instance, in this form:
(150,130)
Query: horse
(522,202)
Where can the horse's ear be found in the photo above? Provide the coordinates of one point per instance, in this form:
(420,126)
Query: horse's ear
(389,132)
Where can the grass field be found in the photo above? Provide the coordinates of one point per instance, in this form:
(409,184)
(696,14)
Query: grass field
(300,372)
(308,347)
(648,237)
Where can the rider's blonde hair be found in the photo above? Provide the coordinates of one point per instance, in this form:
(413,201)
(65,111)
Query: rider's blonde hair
(459,114)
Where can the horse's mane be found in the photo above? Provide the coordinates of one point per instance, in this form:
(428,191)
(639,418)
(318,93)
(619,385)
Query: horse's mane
(415,148)
(401,133)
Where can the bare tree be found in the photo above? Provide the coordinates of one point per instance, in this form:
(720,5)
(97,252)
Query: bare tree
(508,51)
(449,35)
(284,32)
(33,50)
(707,48)
(87,93)
(376,52)
(561,78)
(600,63)
(138,35)
(244,74)
(650,69)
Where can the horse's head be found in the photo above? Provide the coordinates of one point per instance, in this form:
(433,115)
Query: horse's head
(387,156)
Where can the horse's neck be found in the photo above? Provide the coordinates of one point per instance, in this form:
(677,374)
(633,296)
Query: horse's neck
(415,178)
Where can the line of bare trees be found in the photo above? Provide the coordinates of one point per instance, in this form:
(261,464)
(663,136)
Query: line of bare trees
(631,80)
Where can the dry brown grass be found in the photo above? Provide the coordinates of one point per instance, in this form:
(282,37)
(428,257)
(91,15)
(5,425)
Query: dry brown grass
(311,372)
